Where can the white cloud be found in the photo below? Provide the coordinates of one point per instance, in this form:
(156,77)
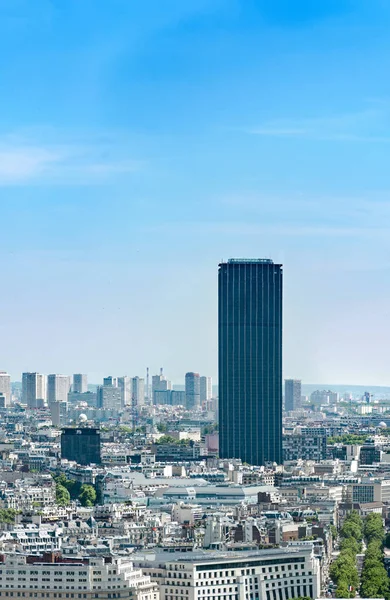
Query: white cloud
(363,126)
(25,161)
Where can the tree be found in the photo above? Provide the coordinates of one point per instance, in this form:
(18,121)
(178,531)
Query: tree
(62,495)
(87,496)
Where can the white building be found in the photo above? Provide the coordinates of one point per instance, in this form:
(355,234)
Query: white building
(47,577)
(58,388)
(5,387)
(266,574)
(125,388)
(206,388)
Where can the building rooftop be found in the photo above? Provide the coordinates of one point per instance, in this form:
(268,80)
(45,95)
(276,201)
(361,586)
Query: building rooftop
(266,261)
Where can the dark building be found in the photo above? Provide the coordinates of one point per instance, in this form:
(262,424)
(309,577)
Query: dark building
(81,445)
(292,394)
(250,360)
(369,453)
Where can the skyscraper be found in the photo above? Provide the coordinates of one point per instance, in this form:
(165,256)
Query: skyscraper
(58,387)
(160,384)
(5,387)
(192,386)
(206,388)
(124,386)
(33,389)
(80,383)
(138,391)
(292,394)
(250,360)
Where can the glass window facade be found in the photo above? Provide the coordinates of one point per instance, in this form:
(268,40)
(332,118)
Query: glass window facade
(250,360)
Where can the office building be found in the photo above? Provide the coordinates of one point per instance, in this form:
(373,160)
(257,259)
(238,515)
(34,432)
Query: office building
(125,387)
(192,387)
(277,574)
(292,394)
(90,398)
(305,444)
(33,390)
(109,397)
(81,445)
(206,388)
(5,387)
(250,360)
(138,391)
(52,577)
(110,381)
(58,388)
(80,383)
(160,384)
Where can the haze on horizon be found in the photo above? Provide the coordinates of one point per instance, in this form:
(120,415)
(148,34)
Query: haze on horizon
(141,143)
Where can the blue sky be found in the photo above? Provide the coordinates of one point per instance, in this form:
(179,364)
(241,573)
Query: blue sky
(143,142)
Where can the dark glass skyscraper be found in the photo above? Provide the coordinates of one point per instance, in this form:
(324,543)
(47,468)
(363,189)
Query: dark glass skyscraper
(250,360)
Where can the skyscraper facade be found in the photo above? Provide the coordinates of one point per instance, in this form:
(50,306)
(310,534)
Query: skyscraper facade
(80,383)
(292,394)
(138,391)
(58,387)
(33,389)
(250,360)
(125,389)
(5,387)
(192,388)
(81,445)
(206,388)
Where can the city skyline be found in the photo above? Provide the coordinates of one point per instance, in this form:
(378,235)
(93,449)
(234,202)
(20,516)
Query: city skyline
(117,207)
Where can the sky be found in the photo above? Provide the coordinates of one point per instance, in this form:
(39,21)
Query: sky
(143,142)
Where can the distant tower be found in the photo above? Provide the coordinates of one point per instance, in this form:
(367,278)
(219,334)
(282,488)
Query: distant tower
(5,387)
(80,383)
(138,391)
(292,394)
(206,388)
(33,389)
(192,387)
(147,385)
(58,387)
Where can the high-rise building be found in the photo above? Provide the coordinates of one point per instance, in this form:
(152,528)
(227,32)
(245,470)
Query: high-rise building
(292,394)
(206,388)
(80,383)
(58,387)
(81,445)
(160,384)
(250,360)
(192,387)
(5,387)
(125,388)
(33,389)
(138,391)
(110,381)
(109,397)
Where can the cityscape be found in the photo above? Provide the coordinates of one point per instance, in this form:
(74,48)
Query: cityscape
(194,306)
(157,490)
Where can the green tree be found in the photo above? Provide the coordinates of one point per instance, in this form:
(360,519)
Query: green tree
(87,496)
(62,495)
